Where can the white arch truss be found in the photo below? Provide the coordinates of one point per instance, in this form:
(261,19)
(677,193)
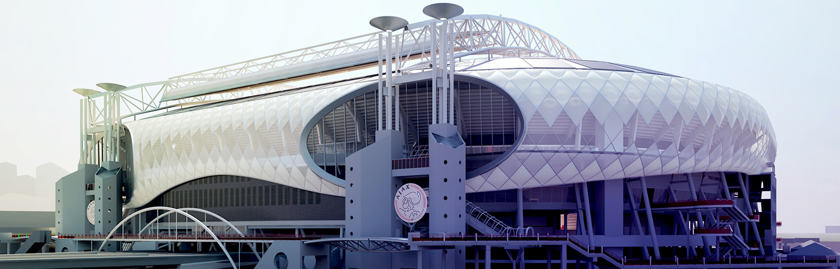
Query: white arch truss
(471,33)
(189,209)
(174,210)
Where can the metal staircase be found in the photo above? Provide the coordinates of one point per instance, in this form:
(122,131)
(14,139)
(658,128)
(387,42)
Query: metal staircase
(487,224)
(34,242)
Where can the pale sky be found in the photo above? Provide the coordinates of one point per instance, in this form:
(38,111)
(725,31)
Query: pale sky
(783,54)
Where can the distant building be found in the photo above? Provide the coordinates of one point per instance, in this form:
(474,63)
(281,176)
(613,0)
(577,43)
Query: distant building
(7,171)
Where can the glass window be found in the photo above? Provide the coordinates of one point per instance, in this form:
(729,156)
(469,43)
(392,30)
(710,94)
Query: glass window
(488,119)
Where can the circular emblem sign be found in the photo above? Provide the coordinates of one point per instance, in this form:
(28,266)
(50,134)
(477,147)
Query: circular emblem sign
(91,211)
(410,202)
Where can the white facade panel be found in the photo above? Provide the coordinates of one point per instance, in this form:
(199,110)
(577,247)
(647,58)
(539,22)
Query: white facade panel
(580,125)
(258,139)
(587,125)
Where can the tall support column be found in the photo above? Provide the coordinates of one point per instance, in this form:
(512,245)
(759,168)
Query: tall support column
(590,232)
(82,130)
(548,257)
(444,95)
(563,259)
(581,227)
(749,208)
(520,223)
(379,88)
(396,88)
(419,259)
(725,186)
(451,77)
(389,87)
(475,260)
(487,257)
(433,56)
(635,209)
(700,221)
(447,186)
(773,222)
(520,214)
(651,228)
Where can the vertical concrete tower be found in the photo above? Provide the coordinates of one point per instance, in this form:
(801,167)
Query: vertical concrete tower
(369,196)
(107,192)
(447,150)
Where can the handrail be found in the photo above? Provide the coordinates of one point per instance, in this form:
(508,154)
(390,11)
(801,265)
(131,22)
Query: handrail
(180,212)
(220,218)
(494,223)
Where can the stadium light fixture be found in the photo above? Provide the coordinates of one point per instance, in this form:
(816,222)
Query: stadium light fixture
(388,23)
(111,87)
(443,11)
(85,92)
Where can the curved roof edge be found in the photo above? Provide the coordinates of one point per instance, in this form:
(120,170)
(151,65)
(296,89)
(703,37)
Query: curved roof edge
(475,31)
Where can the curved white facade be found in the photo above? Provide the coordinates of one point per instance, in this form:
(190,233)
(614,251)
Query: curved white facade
(258,139)
(580,125)
(584,125)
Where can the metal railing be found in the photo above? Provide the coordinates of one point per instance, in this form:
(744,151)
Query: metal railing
(495,224)
(410,163)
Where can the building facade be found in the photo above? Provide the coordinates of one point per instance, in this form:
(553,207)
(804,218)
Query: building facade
(528,155)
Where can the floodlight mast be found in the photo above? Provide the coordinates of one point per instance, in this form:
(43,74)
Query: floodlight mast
(97,123)
(112,121)
(388,24)
(85,105)
(442,58)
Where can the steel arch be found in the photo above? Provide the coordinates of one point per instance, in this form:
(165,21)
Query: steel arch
(471,33)
(223,220)
(181,212)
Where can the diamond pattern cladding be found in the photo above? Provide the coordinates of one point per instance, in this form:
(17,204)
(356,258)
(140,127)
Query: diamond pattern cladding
(586,125)
(257,139)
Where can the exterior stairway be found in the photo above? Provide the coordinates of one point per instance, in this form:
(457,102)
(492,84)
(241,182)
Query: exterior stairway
(487,224)
(34,243)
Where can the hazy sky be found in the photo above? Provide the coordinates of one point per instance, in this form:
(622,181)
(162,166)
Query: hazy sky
(784,54)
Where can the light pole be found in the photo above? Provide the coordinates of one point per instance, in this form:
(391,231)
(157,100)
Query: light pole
(388,24)
(443,12)
(84,106)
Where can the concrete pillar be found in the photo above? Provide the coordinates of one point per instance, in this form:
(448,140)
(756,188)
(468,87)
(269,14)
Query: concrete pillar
(487,257)
(475,260)
(520,222)
(520,212)
(447,187)
(447,180)
(563,258)
(369,198)
(419,259)
(608,210)
(108,194)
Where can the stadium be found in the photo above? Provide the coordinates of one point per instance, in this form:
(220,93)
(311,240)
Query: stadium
(461,141)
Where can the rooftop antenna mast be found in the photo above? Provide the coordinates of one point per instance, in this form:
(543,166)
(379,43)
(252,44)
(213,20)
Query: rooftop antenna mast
(388,94)
(442,58)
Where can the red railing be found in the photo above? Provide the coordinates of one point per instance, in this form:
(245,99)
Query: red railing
(186,236)
(477,237)
(693,203)
(724,230)
(735,260)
